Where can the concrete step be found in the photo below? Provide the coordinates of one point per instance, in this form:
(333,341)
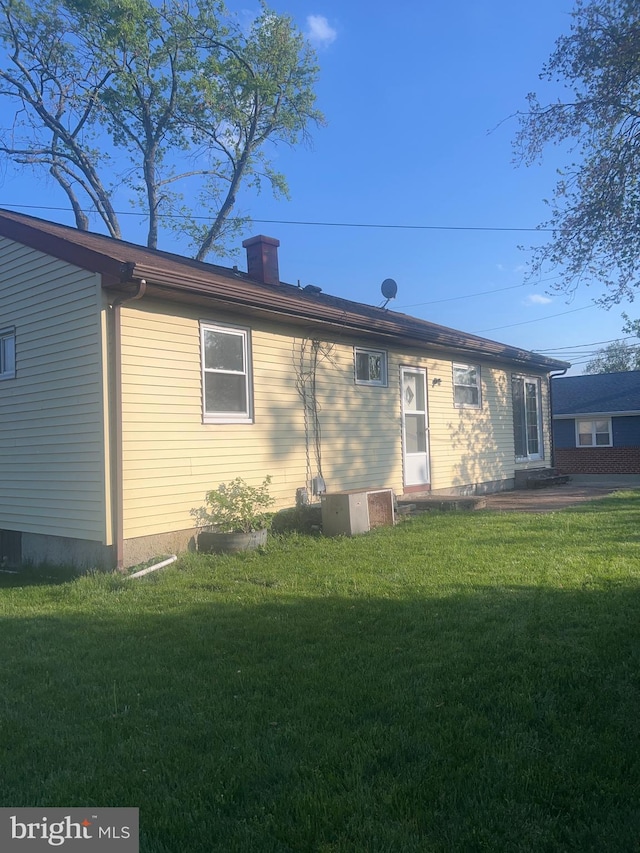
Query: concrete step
(444,503)
(545,479)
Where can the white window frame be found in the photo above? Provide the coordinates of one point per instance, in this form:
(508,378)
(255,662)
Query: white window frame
(535,381)
(459,365)
(7,354)
(382,381)
(223,417)
(593,432)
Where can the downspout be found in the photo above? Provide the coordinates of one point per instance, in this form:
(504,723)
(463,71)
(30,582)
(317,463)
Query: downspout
(551,442)
(118,476)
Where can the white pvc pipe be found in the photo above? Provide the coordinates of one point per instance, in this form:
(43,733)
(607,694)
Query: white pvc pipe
(153,568)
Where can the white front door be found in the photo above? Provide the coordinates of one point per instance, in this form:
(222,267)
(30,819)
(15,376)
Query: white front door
(415,426)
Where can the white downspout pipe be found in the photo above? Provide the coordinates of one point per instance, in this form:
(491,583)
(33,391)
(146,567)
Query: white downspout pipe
(153,568)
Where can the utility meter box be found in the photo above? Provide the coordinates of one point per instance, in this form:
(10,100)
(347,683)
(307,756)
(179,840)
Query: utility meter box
(356,511)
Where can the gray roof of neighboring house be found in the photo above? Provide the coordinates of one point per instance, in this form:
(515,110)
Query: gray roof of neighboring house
(596,394)
(173,277)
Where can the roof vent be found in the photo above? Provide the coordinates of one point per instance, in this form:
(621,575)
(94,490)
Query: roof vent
(262,259)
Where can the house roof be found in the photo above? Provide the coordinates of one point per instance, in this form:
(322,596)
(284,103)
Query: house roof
(172,277)
(596,394)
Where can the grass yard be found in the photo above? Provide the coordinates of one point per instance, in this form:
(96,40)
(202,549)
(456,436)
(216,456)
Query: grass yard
(463,682)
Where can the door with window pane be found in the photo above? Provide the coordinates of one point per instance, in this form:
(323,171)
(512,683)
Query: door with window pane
(527,422)
(415,426)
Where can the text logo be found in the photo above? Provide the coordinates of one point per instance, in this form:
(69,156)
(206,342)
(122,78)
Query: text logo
(75,830)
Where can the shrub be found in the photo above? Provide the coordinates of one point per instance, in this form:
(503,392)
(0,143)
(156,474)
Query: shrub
(235,507)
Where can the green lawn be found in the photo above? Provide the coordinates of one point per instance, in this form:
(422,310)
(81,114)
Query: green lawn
(463,682)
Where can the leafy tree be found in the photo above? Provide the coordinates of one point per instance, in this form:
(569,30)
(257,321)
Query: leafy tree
(159,98)
(614,358)
(595,211)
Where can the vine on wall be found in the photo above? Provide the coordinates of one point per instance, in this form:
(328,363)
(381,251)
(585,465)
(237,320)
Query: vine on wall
(308,355)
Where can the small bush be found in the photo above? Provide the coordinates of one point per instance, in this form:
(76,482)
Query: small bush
(235,507)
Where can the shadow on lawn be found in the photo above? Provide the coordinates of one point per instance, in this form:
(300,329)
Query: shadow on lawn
(36,576)
(501,719)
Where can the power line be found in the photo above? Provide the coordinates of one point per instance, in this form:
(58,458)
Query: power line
(538,320)
(373,225)
(479,293)
(467,296)
(582,346)
(384,225)
(583,355)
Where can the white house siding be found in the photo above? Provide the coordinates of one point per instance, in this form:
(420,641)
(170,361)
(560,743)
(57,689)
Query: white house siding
(52,414)
(171,458)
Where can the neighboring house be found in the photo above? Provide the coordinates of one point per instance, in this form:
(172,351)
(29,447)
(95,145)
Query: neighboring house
(596,423)
(132,381)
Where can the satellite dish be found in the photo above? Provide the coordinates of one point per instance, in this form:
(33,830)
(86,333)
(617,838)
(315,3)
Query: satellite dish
(389,289)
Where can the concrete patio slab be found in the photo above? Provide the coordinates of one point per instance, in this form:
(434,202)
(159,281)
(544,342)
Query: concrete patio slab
(581,487)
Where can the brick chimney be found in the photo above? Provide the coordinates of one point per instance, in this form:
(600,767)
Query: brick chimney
(262,259)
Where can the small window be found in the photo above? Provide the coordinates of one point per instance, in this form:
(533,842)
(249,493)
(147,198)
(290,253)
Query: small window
(370,366)
(596,433)
(226,375)
(7,353)
(466,386)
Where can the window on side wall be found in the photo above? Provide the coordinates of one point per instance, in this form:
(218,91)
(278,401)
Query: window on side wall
(370,366)
(466,386)
(595,433)
(7,353)
(226,374)
(527,418)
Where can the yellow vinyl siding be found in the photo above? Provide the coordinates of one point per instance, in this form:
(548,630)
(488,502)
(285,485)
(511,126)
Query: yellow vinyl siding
(477,445)
(52,414)
(361,424)
(470,445)
(171,458)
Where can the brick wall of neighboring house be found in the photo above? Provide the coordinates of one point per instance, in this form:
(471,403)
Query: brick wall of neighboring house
(597,460)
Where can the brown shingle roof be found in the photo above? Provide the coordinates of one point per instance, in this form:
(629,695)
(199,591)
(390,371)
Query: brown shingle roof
(174,277)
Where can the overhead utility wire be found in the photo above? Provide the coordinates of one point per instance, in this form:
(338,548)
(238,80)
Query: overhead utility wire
(359,225)
(307,222)
(584,356)
(480,293)
(466,296)
(538,320)
(368,225)
(577,347)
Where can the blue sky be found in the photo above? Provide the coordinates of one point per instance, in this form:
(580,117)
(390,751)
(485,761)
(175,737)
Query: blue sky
(417,97)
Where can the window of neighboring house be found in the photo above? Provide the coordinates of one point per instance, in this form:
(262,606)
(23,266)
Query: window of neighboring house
(370,366)
(596,433)
(527,417)
(466,386)
(7,353)
(226,380)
